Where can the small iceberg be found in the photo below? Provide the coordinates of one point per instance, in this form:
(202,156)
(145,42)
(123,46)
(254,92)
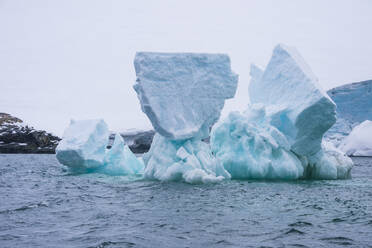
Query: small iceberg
(87,146)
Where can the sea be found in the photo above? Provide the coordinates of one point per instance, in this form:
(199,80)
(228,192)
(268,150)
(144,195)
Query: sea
(43,205)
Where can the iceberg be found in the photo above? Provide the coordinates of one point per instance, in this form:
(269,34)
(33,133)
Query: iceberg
(183,93)
(280,134)
(85,147)
(359,141)
(301,109)
(187,160)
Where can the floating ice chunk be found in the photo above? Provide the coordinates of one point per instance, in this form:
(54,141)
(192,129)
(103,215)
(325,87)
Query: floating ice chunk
(83,144)
(250,148)
(183,93)
(303,111)
(83,148)
(186,160)
(359,141)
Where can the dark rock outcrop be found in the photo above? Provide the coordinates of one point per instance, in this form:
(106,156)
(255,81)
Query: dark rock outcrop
(17,137)
(139,142)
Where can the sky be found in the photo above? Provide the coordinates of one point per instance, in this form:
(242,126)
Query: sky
(74,58)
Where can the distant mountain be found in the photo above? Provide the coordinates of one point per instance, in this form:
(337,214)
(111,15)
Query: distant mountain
(18,137)
(354,105)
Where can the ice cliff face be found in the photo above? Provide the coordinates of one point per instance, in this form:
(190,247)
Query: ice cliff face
(183,95)
(280,135)
(354,105)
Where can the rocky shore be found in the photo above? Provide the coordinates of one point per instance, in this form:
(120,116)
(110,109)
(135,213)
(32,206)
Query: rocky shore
(18,137)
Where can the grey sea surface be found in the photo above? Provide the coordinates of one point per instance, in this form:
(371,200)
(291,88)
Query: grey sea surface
(43,205)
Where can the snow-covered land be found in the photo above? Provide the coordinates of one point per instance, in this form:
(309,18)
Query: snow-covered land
(354,105)
(359,141)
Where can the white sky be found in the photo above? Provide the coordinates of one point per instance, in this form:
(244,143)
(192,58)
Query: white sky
(74,58)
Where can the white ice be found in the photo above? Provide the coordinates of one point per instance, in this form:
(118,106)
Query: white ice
(359,141)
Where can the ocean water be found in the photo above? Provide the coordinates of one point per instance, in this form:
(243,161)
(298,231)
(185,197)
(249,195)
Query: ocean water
(43,205)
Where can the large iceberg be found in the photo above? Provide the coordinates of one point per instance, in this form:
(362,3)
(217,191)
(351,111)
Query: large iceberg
(301,109)
(280,134)
(354,105)
(183,93)
(87,146)
(359,141)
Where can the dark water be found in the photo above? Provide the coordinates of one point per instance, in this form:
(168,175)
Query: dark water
(42,205)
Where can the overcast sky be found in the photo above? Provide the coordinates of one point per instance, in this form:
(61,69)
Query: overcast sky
(74,59)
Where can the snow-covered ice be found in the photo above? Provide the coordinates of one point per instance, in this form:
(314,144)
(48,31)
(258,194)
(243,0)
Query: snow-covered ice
(359,141)
(187,160)
(302,111)
(183,93)
(84,148)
